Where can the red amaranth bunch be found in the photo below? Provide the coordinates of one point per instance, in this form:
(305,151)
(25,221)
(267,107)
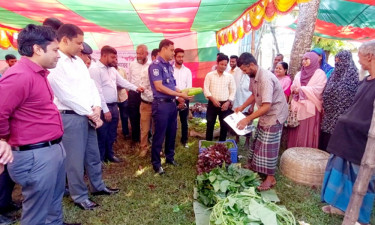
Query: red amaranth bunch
(213,157)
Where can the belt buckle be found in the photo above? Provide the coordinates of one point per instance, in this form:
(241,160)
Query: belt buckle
(17,149)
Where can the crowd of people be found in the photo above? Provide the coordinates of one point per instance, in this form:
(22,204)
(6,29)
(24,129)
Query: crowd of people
(59,113)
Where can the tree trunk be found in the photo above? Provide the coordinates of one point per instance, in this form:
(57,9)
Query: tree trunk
(253,42)
(366,170)
(304,33)
(257,51)
(273,32)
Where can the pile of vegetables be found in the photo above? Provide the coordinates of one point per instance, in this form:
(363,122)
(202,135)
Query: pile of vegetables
(207,144)
(248,207)
(200,125)
(221,182)
(212,157)
(198,107)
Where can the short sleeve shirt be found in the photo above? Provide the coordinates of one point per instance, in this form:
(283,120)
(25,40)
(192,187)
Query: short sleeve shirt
(266,88)
(161,70)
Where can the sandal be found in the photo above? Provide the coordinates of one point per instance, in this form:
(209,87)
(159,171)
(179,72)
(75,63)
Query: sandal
(332,210)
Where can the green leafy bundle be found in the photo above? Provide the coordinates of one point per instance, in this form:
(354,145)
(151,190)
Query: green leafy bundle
(248,207)
(221,182)
(200,125)
(206,144)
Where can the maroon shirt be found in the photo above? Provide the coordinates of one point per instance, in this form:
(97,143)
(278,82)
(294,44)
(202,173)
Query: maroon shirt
(27,112)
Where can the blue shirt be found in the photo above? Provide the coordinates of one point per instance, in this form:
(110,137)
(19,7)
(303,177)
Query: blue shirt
(161,70)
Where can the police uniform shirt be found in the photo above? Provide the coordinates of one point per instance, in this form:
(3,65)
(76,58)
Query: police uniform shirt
(161,70)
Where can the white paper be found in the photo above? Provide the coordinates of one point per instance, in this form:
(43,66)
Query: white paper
(233,119)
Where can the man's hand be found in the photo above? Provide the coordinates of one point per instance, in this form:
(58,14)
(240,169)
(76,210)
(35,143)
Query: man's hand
(243,123)
(96,113)
(181,103)
(98,123)
(6,155)
(140,89)
(238,109)
(1,168)
(225,106)
(215,102)
(185,96)
(108,116)
(180,100)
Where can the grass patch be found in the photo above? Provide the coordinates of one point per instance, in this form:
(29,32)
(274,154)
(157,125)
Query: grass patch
(146,198)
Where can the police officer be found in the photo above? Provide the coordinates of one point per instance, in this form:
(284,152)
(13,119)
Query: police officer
(164,111)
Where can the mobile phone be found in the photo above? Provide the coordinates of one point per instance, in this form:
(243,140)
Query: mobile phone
(92,123)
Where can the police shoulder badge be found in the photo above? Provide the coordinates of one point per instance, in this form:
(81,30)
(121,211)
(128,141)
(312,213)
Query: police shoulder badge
(155,72)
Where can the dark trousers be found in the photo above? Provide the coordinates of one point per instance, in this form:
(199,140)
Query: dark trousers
(212,113)
(41,174)
(6,189)
(134,102)
(124,116)
(184,122)
(107,134)
(164,115)
(323,140)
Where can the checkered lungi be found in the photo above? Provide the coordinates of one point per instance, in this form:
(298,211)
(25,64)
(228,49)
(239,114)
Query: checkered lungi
(265,149)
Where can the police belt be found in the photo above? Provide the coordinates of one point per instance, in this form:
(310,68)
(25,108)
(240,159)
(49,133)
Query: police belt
(165,99)
(37,145)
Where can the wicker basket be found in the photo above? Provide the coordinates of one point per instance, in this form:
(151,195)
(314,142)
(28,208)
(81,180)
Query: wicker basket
(304,165)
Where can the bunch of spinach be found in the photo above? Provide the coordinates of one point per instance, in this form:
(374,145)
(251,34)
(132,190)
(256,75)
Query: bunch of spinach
(200,125)
(221,182)
(213,157)
(248,207)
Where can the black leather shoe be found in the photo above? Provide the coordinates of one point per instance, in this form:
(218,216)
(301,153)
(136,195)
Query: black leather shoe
(4,220)
(66,192)
(106,191)
(87,205)
(115,160)
(160,171)
(10,208)
(174,163)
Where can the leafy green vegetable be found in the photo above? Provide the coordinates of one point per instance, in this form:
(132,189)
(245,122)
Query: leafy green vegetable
(200,125)
(206,144)
(221,182)
(193,91)
(248,207)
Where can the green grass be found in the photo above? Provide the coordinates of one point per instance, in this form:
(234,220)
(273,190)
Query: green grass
(146,198)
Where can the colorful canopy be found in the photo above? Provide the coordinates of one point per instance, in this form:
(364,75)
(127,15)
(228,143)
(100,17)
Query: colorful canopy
(346,19)
(190,24)
(132,19)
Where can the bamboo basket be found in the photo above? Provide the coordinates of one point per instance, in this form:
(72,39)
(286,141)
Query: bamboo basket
(304,165)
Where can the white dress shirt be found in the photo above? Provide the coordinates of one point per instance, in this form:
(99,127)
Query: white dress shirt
(221,87)
(73,87)
(135,72)
(107,79)
(183,76)
(242,88)
(147,95)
